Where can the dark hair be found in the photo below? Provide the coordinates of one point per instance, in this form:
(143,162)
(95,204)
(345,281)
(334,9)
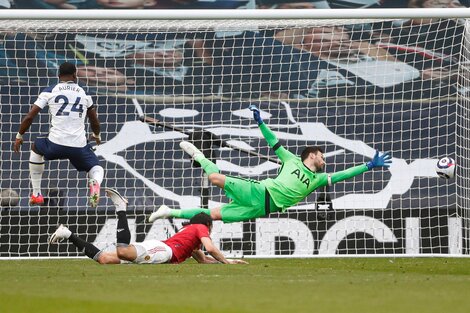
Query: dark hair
(200,218)
(67,68)
(309,150)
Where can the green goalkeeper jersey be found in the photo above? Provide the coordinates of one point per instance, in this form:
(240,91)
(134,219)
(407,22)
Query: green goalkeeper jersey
(295,181)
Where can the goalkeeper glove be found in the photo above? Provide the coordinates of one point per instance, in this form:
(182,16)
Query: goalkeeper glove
(256,114)
(383,160)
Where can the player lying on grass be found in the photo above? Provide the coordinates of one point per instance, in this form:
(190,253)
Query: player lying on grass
(69,105)
(297,178)
(184,244)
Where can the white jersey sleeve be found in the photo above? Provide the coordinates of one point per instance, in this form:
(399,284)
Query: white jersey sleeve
(68,104)
(43,99)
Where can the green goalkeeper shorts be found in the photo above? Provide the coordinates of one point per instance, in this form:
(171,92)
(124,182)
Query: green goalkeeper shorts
(250,199)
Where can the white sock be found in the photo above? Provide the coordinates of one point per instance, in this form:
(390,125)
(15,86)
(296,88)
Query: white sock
(120,206)
(68,233)
(96,173)
(36,168)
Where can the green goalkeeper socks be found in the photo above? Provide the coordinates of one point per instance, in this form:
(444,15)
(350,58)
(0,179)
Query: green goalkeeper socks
(188,213)
(208,166)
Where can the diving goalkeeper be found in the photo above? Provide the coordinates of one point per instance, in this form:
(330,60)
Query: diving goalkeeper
(297,178)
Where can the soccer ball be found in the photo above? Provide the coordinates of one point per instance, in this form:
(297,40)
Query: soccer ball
(445,168)
(9,198)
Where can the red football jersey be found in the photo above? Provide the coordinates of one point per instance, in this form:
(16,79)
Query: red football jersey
(184,242)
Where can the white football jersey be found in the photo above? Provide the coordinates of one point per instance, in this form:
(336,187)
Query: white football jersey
(68,104)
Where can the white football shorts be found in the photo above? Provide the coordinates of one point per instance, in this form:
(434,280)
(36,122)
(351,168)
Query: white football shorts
(152,252)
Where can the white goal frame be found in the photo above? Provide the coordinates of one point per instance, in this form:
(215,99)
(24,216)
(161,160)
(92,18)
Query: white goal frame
(234,14)
(37,18)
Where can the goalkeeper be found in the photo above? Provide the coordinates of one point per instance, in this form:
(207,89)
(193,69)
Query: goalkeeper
(297,178)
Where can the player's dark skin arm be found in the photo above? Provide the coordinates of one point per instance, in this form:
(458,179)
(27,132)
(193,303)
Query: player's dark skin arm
(25,124)
(94,123)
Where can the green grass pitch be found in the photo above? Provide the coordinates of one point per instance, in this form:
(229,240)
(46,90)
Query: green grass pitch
(266,285)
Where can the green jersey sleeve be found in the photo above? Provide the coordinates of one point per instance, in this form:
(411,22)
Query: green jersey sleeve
(282,153)
(348,173)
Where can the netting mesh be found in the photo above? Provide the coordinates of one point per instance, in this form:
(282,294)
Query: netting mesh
(117,26)
(348,87)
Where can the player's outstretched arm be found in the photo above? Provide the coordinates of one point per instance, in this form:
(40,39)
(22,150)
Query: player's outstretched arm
(24,126)
(256,114)
(217,256)
(200,257)
(379,160)
(270,137)
(95,124)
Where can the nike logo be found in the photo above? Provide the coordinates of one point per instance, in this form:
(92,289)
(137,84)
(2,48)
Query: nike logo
(119,230)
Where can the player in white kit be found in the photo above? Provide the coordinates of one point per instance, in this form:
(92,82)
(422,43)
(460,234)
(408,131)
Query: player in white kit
(69,105)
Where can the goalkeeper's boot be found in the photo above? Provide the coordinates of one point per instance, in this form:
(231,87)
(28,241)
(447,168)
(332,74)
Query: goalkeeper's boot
(36,199)
(162,212)
(60,234)
(190,149)
(119,201)
(94,193)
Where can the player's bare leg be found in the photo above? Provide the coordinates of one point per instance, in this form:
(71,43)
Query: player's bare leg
(215,214)
(127,253)
(217,179)
(108,258)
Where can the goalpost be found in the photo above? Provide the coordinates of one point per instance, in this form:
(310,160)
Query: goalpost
(350,81)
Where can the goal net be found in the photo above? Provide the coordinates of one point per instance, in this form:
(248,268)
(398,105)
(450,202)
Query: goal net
(349,86)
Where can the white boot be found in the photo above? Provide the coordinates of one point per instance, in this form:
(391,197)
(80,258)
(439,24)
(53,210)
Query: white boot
(162,212)
(119,201)
(60,234)
(190,149)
